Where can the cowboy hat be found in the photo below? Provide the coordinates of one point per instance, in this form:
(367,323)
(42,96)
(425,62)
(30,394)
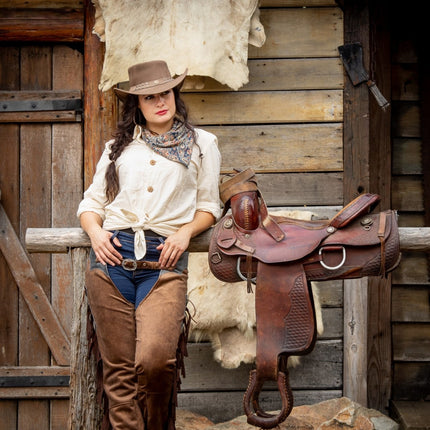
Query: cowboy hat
(151,77)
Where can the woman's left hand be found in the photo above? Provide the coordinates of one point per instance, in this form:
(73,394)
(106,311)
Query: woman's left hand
(173,247)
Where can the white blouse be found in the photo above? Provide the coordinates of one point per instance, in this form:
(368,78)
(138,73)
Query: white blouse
(156,193)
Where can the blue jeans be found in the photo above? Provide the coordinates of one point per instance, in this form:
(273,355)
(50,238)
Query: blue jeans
(135,285)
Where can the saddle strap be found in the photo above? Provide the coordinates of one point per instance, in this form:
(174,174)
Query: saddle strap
(285,326)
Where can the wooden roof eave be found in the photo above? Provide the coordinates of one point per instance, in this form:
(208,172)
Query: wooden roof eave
(41,25)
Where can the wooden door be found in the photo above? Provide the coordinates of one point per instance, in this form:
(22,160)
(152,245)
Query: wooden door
(41,185)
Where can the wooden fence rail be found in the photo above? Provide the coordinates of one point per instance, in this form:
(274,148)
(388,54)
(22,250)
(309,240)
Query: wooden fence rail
(61,240)
(84,410)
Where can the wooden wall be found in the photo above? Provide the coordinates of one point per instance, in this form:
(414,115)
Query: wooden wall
(286,124)
(411,282)
(41,182)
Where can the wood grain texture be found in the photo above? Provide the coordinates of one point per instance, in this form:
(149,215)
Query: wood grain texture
(265,107)
(280,148)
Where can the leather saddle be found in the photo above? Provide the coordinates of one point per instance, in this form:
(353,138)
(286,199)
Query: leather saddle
(280,255)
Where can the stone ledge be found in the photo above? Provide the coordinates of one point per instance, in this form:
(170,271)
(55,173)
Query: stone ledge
(335,414)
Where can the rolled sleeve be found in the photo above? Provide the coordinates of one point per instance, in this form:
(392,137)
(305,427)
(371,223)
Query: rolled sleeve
(95,196)
(208,179)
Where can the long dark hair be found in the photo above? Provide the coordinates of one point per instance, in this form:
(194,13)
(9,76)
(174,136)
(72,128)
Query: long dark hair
(132,115)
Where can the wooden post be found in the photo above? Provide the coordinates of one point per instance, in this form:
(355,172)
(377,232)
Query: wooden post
(100,109)
(356,180)
(85,413)
(379,366)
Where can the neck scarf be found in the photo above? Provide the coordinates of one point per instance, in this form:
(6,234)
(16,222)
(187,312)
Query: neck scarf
(175,145)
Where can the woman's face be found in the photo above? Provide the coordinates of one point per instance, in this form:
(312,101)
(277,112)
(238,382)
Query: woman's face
(159,110)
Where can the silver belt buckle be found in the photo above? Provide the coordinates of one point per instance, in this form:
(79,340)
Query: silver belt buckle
(129,261)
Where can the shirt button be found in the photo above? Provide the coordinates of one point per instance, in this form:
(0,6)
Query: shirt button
(150,189)
(152,162)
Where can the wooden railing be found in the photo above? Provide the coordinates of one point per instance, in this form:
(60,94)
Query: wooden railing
(84,410)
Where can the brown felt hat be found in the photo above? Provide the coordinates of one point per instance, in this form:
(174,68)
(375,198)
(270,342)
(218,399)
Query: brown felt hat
(151,77)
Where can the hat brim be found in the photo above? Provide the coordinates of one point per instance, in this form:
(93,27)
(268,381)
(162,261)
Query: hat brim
(154,89)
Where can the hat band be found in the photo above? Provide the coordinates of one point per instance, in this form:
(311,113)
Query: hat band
(150,84)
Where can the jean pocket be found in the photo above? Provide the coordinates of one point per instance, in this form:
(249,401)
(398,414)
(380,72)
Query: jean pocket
(182,263)
(94,264)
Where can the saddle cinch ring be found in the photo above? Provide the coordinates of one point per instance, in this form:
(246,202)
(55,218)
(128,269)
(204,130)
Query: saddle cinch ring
(338,266)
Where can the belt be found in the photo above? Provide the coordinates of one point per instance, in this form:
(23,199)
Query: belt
(147,232)
(131,265)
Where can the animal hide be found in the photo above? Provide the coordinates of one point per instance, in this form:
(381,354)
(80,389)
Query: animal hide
(208,38)
(224,313)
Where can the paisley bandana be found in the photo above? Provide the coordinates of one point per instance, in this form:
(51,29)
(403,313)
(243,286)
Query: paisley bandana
(175,145)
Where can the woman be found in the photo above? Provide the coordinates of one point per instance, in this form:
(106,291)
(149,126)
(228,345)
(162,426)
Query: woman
(155,187)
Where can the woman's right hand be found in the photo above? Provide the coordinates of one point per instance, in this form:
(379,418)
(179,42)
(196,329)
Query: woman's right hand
(101,239)
(103,248)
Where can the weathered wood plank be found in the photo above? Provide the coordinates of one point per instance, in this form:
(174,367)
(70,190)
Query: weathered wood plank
(297,3)
(405,85)
(67,178)
(312,32)
(33,393)
(46,116)
(355,324)
(411,303)
(321,369)
(412,270)
(412,415)
(407,193)
(411,381)
(411,342)
(34,371)
(279,74)
(24,96)
(35,190)
(9,186)
(32,292)
(406,119)
(298,189)
(41,25)
(59,416)
(265,107)
(407,156)
(280,148)
(42,4)
(411,219)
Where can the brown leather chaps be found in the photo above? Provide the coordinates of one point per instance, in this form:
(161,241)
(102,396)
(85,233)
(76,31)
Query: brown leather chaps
(139,349)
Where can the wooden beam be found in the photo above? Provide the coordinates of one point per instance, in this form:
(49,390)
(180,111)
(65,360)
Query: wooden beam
(46,116)
(34,393)
(100,114)
(379,344)
(41,25)
(62,240)
(356,181)
(32,291)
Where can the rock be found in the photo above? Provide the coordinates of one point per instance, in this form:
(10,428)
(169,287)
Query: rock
(186,420)
(335,414)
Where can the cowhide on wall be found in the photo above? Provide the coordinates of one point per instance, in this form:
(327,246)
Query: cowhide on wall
(207,38)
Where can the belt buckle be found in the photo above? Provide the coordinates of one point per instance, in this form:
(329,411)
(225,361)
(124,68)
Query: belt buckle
(129,261)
